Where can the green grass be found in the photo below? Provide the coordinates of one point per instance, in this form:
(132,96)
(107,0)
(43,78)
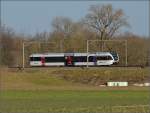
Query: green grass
(69,101)
(71,90)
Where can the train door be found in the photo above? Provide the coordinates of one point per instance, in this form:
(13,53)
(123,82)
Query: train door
(95,60)
(69,60)
(43,61)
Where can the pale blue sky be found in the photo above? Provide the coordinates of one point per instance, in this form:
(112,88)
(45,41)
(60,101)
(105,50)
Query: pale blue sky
(29,17)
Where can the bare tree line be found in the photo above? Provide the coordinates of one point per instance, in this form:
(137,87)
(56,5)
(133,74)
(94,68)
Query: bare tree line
(101,22)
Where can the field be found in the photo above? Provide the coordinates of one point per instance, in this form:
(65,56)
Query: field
(47,90)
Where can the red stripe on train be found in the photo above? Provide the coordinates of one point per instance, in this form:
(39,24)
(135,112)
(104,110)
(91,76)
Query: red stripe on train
(43,61)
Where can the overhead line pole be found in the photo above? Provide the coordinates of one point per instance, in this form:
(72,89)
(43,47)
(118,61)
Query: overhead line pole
(126,53)
(87,53)
(23,50)
(23,56)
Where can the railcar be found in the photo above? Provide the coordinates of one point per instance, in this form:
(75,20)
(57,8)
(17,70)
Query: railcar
(72,59)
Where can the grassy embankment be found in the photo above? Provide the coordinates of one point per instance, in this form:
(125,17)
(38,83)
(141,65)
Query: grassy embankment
(49,78)
(70,90)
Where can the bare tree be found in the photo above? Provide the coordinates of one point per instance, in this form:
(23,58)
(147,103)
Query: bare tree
(6,45)
(62,25)
(105,20)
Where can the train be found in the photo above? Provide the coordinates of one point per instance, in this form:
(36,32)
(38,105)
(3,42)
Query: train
(73,59)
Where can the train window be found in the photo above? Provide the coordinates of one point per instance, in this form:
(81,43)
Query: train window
(109,58)
(104,58)
(92,58)
(54,59)
(80,58)
(76,59)
(35,58)
(84,59)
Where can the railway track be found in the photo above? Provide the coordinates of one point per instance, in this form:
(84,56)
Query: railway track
(113,66)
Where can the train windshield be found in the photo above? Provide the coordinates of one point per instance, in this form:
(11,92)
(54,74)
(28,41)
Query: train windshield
(115,55)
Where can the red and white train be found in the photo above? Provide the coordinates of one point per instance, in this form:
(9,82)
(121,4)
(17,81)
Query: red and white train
(74,59)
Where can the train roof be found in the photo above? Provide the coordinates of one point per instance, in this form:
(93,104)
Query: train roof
(67,54)
(103,53)
(46,54)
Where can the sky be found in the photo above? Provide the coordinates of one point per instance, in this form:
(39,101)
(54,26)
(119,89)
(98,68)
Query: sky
(30,17)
